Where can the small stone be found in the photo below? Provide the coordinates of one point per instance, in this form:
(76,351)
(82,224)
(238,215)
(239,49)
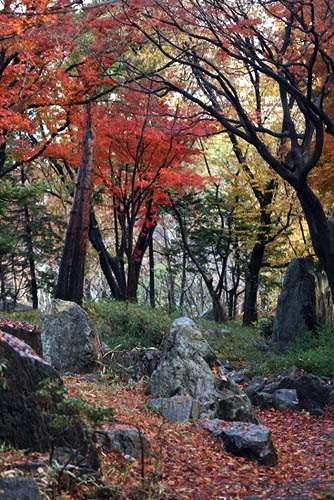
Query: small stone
(286,399)
(240,378)
(260,345)
(250,441)
(317,412)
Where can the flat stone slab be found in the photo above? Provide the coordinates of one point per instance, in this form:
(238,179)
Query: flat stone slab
(176,408)
(127,440)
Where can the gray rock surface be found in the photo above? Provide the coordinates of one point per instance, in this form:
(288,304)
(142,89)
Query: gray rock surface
(305,301)
(305,392)
(69,340)
(285,399)
(127,440)
(177,408)
(250,441)
(244,439)
(19,488)
(135,363)
(28,413)
(187,367)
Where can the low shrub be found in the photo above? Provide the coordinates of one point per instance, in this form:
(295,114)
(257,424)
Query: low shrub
(265,326)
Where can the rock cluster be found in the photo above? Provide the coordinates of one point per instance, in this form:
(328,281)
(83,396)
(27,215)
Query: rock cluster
(189,367)
(292,390)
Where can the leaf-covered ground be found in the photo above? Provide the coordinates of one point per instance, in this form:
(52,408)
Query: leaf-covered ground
(189,465)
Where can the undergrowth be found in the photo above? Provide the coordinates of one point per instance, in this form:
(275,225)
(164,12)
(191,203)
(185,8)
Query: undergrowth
(124,326)
(32,316)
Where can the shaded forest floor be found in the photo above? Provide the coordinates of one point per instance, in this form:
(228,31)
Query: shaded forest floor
(188,464)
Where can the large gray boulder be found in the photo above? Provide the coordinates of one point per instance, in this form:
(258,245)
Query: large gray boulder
(33,404)
(189,367)
(69,340)
(305,301)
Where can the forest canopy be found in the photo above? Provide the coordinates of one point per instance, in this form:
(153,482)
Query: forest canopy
(190,144)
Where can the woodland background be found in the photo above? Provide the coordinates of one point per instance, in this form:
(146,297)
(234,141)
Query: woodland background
(183,154)
(173,155)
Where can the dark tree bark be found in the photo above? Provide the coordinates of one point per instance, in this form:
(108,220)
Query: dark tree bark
(3,287)
(170,281)
(109,264)
(321,230)
(31,258)
(151,263)
(72,267)
(136,258)
(252,284)
(183,280)
(30,249)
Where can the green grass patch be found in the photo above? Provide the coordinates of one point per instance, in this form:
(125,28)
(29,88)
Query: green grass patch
(126,325)
(32,316)
(312,352)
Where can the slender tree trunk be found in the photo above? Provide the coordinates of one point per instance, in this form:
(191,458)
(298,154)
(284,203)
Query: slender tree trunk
(170,281)
(31,258)
(72,267)
(109,265)
(252,284)
(3,288)
(183,280)
(218,309)
(151,262)
(30,249)
(136,259)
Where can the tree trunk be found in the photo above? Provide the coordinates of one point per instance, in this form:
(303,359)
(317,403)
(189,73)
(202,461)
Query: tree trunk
(108,264)
(136,259)
(31,258)
(170,281)
(3,288)
(72,267)
(151,262)
(218,310)
(30,249)
(252,284)
(183,280)
(321,231)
